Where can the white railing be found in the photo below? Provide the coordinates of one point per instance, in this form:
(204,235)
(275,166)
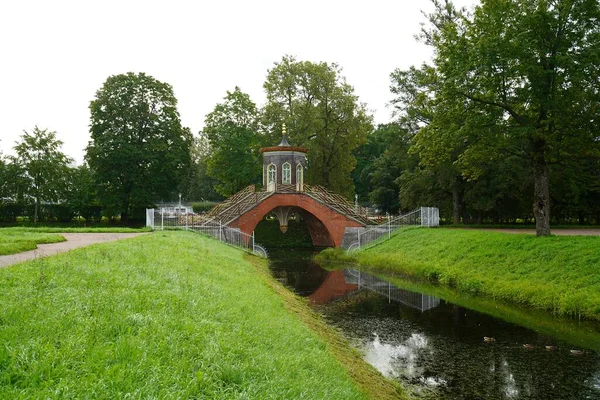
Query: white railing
(166,219)
(424,216)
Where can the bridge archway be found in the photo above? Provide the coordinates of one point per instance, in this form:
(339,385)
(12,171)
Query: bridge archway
(326,226)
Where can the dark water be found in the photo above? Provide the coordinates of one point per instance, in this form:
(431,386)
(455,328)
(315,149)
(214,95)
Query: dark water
(437,349)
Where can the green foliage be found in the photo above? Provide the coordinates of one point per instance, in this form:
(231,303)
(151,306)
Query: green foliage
(42,168)
(139,152)
(514,79)
(9,212)
(380,162)
(268,234)
(322,113)
(203,206)
(556,273)
(82,195)
(198,184)
(169,315)
(231,129)
(16,241)
(53,228)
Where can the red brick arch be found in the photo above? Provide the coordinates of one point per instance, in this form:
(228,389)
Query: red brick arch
(326,226)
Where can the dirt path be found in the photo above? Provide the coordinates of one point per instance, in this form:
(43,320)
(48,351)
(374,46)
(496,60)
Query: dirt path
(74,240)
(558,232)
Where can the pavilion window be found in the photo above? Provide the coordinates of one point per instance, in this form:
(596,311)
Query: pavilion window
(272,174)
(286,173)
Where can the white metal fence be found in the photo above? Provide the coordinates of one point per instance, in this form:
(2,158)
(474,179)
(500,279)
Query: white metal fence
(166,219)
(424,216)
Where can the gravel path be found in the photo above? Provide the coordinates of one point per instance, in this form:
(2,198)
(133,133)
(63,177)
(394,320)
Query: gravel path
(74,240)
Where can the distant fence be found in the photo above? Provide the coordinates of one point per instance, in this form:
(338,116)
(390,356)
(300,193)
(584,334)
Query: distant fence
(424,216)
(168,218)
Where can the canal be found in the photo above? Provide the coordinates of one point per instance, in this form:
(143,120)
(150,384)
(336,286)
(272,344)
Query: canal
(439,349)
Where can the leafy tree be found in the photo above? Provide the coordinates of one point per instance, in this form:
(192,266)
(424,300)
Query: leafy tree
(82,194)
(380,162)
(322,113)
(139,151)
(3,179)
(366,155)
(43,167)
(198,185)
(437,118)
(231,129)
(525,72)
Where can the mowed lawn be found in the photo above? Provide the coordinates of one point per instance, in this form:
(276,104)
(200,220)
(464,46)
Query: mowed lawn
(168,315)
(15,241)
(556,273)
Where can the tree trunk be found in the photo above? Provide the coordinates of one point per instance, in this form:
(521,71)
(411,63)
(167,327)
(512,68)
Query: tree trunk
(36,210)
(124,218)
(455,205)
(541,198)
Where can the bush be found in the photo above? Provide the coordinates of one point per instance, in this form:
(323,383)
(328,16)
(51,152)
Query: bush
(56,212)
(203,206)
(10,211)
(91,213)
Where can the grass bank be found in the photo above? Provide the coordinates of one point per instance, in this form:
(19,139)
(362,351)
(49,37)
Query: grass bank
(167,315)
(557,273)
(12,241)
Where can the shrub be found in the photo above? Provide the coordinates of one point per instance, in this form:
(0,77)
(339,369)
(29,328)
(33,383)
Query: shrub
(203,206)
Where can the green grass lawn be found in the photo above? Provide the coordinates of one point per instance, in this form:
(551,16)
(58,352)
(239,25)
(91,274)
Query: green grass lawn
(14,241)
(167,315)
(556,273)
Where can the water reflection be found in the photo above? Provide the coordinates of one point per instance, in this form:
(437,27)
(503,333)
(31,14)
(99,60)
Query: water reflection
(385,288)
(436,348)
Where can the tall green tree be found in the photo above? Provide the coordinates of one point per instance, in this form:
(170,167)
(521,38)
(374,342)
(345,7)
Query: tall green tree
(82,195)
(139,151)
(232,131)
(437,119)
(322,113)
(3,179)
(523,74)
(44,167)
(380,162)
(199,185)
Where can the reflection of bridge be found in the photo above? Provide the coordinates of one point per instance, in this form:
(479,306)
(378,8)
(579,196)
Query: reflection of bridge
(419,301)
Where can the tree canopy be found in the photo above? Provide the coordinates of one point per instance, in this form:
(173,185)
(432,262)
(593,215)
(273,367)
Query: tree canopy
(232,132)
(322,113)
(514,79)
(139,151)
(42,167)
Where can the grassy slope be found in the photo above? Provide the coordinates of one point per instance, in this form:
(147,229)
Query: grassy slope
(168,315)
(12,241)
(561,274)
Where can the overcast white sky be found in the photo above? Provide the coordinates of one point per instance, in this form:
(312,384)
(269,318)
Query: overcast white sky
(56,54)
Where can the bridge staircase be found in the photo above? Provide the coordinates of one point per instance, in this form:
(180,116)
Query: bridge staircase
(238,204)
(248,198)
(337,203)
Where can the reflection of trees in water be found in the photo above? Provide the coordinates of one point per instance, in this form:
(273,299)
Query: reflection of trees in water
(295,269)
(456,363)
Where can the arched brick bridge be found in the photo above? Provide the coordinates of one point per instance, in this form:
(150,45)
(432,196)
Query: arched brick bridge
(329,217)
